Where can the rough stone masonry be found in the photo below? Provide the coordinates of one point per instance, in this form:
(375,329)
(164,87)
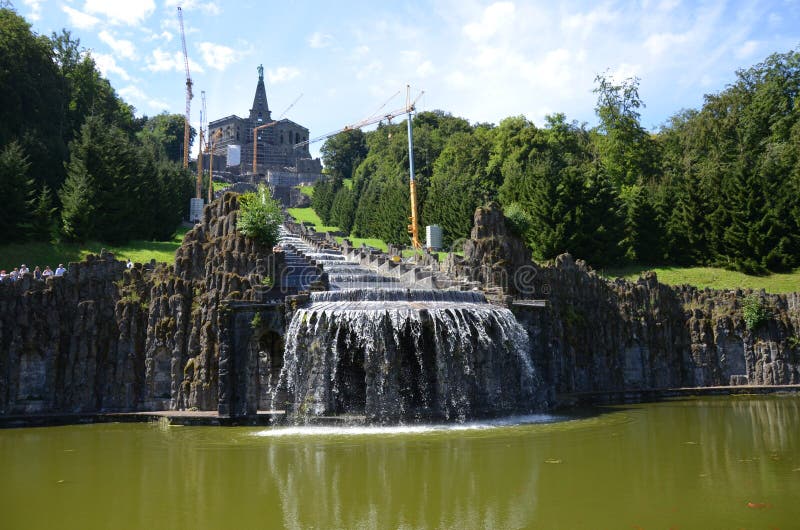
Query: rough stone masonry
(105,338)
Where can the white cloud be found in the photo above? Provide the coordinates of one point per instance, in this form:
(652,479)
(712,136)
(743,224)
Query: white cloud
(217,56)
(132,92)
(369,70)
(426,69)
(747,49)
(360,51)
(209,8)
(320,40)
(659,43)
(108,65)
(494,18)
(123,48)
(282,74)
(36,9)
(164,35)
(585,23)
(161,61)
(79,19)
(128,12)
(135,95)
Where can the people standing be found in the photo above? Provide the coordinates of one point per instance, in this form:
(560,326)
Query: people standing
(37,273)
(60,270)
(47,272)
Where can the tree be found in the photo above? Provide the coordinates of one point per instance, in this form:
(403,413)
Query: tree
(165,132)
(260,216)
(460,183)
(30,91)
(16,191)
(43,215)
(343,209)
(103,178)
(342,153)
(628,153)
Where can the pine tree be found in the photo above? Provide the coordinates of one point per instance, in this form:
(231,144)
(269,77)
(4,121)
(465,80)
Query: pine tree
(16,192)
(43,218)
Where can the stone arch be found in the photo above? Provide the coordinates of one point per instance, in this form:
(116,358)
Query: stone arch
(32,377)
(269,358)
(161,375)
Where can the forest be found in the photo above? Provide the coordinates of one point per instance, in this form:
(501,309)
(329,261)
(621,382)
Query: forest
(718,186)
(76,164)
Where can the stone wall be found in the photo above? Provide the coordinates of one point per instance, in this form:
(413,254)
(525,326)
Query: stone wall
(596,334)
(107,338)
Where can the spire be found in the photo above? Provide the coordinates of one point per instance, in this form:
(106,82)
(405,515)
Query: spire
(260,106)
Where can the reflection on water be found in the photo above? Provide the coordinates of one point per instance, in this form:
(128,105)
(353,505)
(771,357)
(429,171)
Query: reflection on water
(708,463)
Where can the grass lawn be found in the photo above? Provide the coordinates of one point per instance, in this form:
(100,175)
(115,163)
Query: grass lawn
(218,185)
(713,277)
(308,191)
(308,215)
(41,254)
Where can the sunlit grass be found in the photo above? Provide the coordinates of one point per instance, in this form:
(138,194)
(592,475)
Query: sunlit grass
(712,277)
(41,254)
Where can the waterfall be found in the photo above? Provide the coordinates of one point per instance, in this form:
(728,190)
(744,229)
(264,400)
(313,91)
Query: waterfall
(396,354)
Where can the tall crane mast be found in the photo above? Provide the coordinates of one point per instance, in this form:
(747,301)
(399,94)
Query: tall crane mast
(186,126)
(199,185)
(270,124)
(410,107)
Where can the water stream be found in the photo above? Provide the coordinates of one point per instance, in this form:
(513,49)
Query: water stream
(375,347)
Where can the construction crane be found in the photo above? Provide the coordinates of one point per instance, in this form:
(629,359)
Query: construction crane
(212,143)
(270,124)
(409,108)
(187,128)
(199,185)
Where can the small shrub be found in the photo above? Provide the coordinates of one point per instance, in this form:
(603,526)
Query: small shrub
(518,220)
(755,314)
(256,322)
(259,216)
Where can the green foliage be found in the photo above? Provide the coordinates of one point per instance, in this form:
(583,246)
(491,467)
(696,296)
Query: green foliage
(460,183)
(260,216)
(628,153)
(164,132)
(517,219)
(754,312)
(322,198)
(256,322)
(43,216)
(16,193)
(343,209)
(342,153)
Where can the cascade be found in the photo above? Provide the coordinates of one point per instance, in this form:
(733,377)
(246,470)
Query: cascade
(375,347)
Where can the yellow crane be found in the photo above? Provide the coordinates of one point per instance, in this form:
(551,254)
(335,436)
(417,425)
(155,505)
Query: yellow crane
(186,126)
(409,108)
(270,124)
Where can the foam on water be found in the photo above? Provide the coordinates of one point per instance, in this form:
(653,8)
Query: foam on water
(389,430)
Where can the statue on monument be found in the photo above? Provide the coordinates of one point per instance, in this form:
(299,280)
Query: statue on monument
(260,71)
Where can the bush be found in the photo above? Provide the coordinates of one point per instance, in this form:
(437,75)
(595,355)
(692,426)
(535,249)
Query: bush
(259,216)
(517,219)
(755,314)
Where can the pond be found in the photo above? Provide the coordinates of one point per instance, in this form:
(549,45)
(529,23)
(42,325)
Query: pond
(700,463)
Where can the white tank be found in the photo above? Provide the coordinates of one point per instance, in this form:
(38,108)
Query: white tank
(433,237)
(195,210)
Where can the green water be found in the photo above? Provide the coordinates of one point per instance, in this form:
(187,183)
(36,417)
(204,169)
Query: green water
(679,464)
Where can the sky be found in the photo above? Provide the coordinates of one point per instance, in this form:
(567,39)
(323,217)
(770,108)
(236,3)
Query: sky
(480,60)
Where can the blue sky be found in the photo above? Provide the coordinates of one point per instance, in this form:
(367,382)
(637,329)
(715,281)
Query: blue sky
(480,60)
